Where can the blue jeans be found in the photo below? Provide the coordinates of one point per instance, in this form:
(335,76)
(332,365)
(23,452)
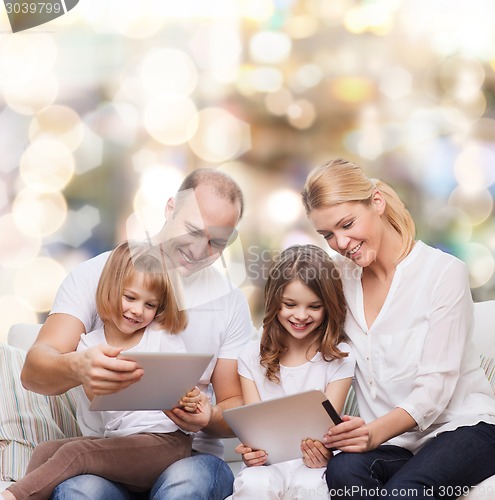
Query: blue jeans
(444,468)
(199,476)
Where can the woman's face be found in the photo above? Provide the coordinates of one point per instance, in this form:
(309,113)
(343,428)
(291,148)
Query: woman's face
(352,229)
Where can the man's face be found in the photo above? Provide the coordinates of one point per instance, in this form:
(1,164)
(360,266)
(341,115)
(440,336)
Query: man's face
(199,226)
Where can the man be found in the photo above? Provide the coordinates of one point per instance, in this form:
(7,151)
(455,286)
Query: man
(200,221)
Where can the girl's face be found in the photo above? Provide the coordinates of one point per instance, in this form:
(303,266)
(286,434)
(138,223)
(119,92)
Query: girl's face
(352,229)
(139,306)
(301,311)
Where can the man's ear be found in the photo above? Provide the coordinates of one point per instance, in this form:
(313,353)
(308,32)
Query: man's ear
(169,208)
(378,202)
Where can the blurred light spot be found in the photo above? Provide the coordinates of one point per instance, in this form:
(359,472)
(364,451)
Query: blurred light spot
(32,96)
(47,165)
(306,77)
(4,198)
(158,184)
(477,204)
(13,311)
(89,155)
(460,77)
(16,247)
(168,71)
(257,10)
(133,19)
(374,17)
(114,121)
(171,119)
(39,214)
(278,102)
(449,226)
(353,89)
(38,282)
(396,82)
(301,114)
(59,121)
(266,79)
(217,49)
(475,167)
(480,263)
(283,207)
(220,136)
(24,57)
(79,225)
(269,47)
(301,26)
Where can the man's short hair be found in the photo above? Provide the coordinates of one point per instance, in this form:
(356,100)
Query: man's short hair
(225,187)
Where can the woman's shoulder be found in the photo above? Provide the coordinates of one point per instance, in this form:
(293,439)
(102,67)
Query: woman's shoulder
(438,258)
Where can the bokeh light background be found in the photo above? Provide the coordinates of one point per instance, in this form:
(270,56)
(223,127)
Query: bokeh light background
(104,110)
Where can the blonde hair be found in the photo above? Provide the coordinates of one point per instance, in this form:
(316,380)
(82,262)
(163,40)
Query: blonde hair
(340,181)
(124,261)
(314,268)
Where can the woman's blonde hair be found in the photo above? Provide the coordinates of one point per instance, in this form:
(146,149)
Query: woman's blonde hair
(314,268)
(340,181)
(124,261)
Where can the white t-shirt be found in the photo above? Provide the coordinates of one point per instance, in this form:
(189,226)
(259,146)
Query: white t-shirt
(220,326)
(125,423)
(418,354)
(314,374)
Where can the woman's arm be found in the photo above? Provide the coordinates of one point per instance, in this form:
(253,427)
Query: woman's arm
(354,435)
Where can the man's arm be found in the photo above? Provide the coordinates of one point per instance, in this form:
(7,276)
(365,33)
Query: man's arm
(228,394)
(53,366)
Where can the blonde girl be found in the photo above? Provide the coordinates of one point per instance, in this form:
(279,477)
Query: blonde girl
(136,302)
(301,348)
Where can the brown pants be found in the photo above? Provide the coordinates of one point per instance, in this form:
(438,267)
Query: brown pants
(136,461)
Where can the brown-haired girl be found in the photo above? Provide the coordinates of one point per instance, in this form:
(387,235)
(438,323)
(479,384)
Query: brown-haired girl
(301,348)
(136,302)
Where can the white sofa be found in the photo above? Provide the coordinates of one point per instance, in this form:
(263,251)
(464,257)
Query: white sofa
(52,417)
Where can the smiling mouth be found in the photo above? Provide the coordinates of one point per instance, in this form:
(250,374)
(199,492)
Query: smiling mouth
(355,249)
(187,259)
(299,325)
(131,320)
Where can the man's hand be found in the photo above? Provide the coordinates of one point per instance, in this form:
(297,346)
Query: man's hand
(101,372)
(252,458)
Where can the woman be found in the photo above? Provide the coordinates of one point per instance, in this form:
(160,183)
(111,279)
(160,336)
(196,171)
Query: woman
(427,411)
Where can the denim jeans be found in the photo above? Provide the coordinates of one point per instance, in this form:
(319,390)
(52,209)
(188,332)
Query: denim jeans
(197,477)
(444,468)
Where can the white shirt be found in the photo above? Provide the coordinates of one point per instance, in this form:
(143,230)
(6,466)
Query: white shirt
(219,323)
(125,423)
(418,354)
(314,374)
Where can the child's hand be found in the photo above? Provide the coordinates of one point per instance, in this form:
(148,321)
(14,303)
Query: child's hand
(191,400)
(252,458)
(193,413)
(315,454)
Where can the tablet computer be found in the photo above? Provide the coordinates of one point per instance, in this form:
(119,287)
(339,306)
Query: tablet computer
(279,425)
(167,377)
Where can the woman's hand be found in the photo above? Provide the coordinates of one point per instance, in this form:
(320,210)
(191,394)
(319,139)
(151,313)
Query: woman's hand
(252,458)
(315,454)
(352,435)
